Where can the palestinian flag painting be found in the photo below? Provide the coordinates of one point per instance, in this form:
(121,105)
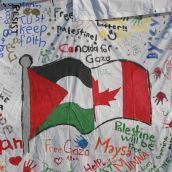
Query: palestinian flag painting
(67,92)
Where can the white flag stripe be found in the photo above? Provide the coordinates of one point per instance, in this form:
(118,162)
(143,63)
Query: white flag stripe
(77,92)
(109,76)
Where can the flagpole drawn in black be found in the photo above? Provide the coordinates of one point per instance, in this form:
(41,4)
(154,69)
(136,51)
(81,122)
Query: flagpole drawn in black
(25,61)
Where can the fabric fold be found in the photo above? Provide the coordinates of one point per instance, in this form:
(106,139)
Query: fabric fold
(103,9)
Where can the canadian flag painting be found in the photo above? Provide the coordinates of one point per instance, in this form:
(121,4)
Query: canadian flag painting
(67,92)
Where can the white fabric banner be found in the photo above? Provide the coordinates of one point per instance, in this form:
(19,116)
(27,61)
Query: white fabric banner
(85,96)
(107,9)
(22,1)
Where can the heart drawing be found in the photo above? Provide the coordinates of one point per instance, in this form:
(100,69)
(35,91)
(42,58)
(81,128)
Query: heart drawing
(58,160)
(15,160)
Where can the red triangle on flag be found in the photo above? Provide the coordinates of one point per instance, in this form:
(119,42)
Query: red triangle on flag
(45,96)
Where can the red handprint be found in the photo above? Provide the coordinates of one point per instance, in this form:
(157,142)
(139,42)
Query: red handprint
(157,73)
(160,97)
(28,166)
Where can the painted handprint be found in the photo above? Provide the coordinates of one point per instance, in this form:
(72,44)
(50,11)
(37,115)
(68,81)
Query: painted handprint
(157,72)
(160,97)
(28,166)
(81,141)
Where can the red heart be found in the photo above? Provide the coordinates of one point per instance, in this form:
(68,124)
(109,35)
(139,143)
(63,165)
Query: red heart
(58,160)
(15,160)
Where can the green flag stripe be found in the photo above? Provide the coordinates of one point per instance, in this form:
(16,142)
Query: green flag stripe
(70,114)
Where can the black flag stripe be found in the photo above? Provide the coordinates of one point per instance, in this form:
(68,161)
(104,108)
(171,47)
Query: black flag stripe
(66,67)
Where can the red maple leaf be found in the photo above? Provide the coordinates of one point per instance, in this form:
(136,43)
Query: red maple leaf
(104,97)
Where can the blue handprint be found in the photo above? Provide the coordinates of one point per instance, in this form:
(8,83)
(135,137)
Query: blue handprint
(81,141)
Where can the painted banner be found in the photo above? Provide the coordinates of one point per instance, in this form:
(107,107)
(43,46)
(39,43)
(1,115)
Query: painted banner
(84,95)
